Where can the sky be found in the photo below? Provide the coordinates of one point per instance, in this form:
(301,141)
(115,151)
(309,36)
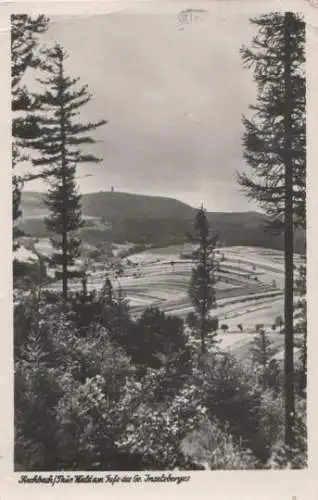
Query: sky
(173,100)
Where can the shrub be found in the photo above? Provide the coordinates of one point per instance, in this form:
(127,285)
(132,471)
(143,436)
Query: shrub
(108,309)
(157,433)
(231,396)
(91,421)
(53,367)
(156,338)
(296,457)
(271,420)
(102,391)
(261,352)
(35,397)
(215,448)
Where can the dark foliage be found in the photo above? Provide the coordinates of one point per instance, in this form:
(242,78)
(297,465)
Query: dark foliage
(59,138)
(24,36)
(274,145)
(201,289)
(230,398)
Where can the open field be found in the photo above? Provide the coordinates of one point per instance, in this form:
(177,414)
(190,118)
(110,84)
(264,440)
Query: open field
(249,287)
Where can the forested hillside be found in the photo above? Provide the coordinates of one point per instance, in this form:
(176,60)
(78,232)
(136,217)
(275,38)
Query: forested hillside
(155,220)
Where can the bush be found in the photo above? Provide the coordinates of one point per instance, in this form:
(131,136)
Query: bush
(216,450)
(67,397)
(96,390)
(271,420)
(156,338)
(232,397)
(295,458)
(157,433)
(36,395)
(108,309)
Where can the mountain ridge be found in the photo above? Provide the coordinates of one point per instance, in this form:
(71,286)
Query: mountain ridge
(33,200)
(156,220)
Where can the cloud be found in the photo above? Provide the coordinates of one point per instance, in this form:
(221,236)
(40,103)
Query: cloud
(173,100)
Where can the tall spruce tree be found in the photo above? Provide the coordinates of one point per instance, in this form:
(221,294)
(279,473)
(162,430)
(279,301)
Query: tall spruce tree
(24,34)
(275,147)
(60,137)
(201,289)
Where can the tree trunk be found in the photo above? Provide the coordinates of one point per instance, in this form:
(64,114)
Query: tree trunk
(303,378)
(289,242)
(203,309)
(64,265)
(64,223)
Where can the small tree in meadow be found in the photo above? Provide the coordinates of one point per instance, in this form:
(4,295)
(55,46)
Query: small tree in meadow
(201,289)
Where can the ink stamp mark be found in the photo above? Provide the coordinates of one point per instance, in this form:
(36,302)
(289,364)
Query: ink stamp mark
(189,16)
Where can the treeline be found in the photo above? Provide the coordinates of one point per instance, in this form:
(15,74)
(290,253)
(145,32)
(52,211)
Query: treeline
(167,232)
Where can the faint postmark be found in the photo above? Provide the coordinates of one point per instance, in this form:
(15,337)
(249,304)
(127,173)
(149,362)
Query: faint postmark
(189,16)
(313,3)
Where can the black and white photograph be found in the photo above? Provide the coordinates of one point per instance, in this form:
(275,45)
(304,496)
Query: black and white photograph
(159,240)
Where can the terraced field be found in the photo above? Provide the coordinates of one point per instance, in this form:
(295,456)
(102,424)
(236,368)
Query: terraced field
(249,287)
(249,283)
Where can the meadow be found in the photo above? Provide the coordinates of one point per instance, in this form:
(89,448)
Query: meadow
(249,287)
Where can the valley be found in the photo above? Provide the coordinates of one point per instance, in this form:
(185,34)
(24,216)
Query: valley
(249,283)
(250,268)
(249,287)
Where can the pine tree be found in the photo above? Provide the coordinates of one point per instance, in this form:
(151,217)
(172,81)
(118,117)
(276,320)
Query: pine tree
(201,289)
(24,33)
(60,136)
(275,147)
(107,292)
(64,221)
(262,352)
(277,57)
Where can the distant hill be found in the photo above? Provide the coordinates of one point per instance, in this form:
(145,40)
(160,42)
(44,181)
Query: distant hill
(156,220)
(112,205)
